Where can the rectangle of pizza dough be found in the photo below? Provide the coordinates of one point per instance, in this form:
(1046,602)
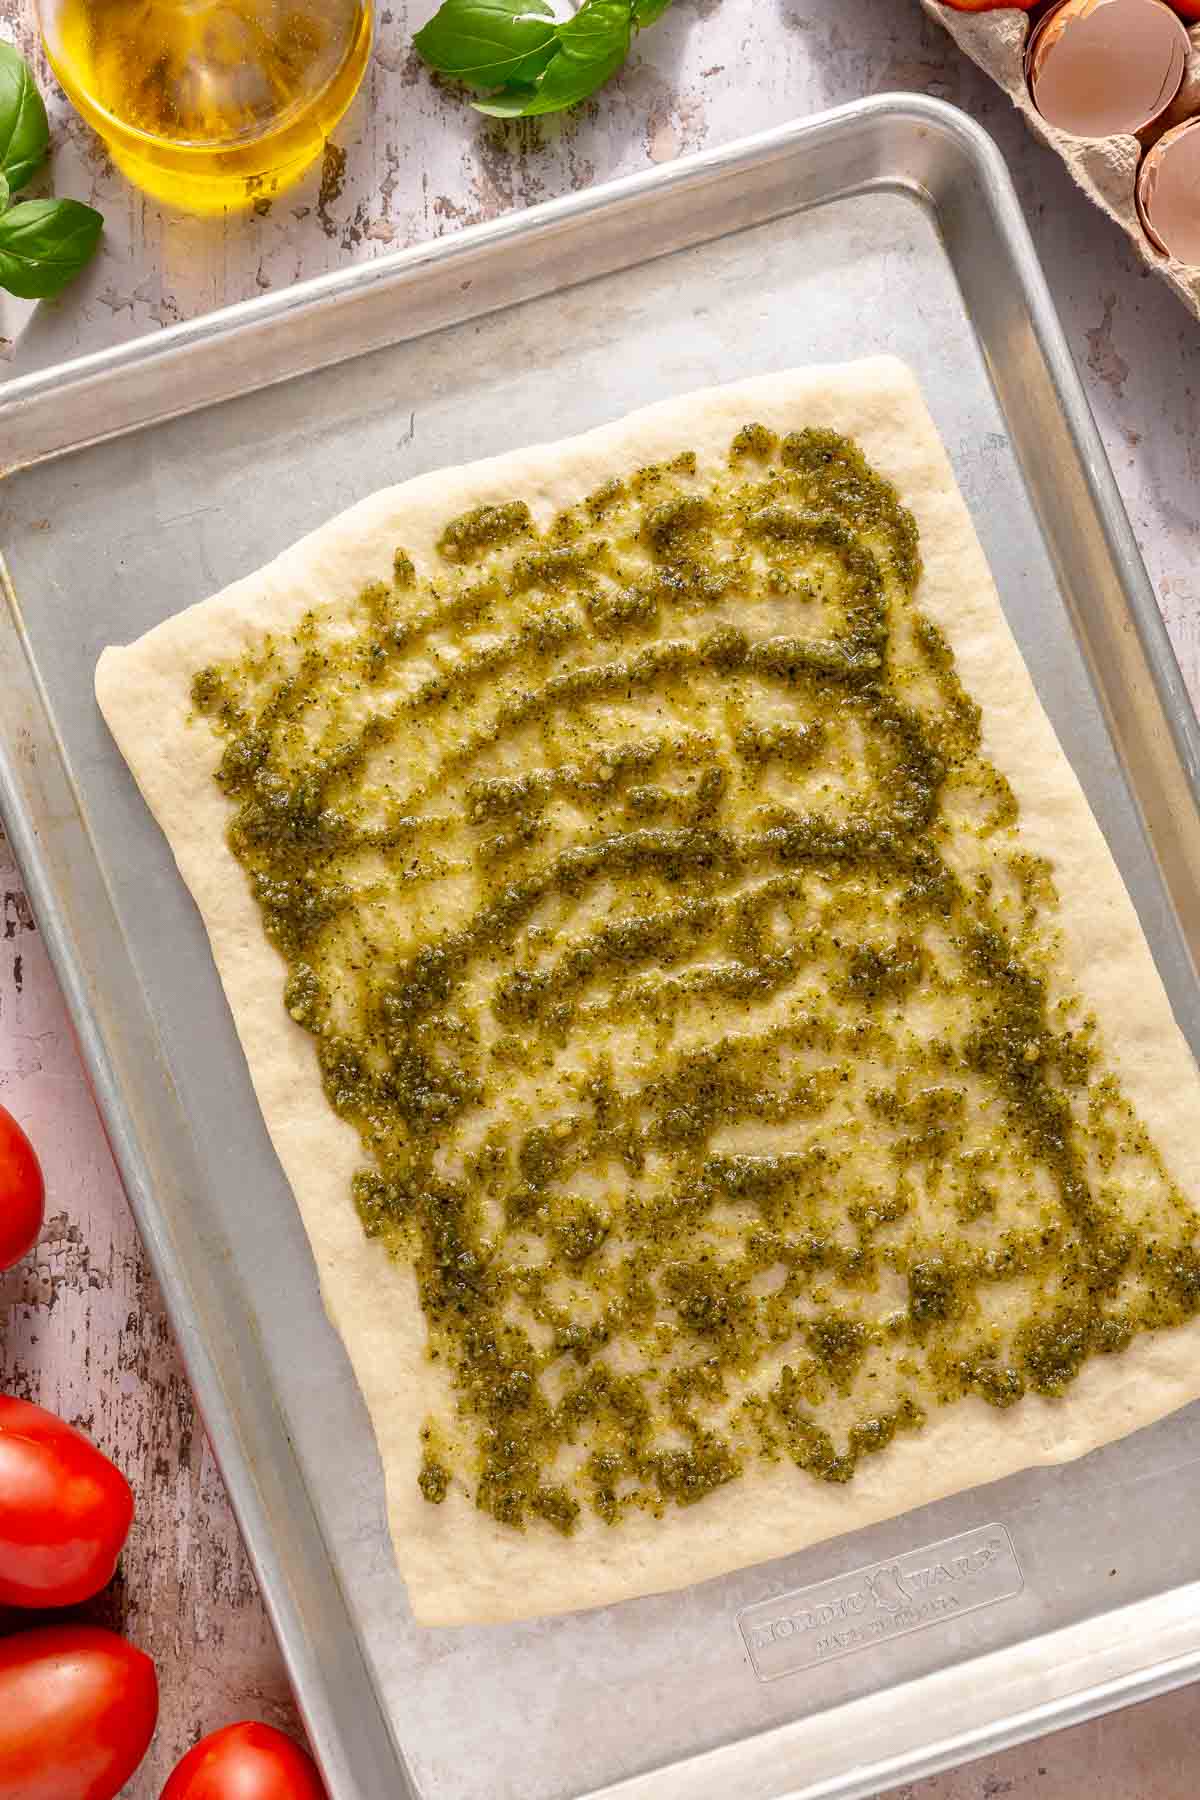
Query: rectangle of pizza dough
(460,1564)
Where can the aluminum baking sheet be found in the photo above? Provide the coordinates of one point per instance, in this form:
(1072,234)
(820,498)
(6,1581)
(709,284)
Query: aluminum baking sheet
(886,226)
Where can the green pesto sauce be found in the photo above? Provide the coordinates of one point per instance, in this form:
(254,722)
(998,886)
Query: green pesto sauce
(666,936)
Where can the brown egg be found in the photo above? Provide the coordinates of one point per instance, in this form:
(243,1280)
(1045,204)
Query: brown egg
(1168,193)
(1100,67)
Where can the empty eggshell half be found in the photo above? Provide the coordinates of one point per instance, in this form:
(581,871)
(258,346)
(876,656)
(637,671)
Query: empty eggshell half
(1168,193)
(1098,68)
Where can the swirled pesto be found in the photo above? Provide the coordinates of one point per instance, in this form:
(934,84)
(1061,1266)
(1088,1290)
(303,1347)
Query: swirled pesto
(669,940)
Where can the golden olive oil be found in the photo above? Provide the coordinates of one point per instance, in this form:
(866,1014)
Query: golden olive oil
(210,104)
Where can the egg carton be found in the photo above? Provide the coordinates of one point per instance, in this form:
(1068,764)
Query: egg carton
(1105,168)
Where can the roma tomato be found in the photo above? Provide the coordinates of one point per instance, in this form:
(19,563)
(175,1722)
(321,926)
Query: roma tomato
(65,1510)
(246,1762)
(77,1711)
(22,1192)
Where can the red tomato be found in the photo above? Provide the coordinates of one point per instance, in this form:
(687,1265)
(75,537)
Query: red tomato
(1190,9)
(77,1711)
(990,5)
(246,1762)
(65,1510)
(22,1192)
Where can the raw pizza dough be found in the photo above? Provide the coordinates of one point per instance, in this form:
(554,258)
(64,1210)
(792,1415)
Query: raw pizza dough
(460,1564)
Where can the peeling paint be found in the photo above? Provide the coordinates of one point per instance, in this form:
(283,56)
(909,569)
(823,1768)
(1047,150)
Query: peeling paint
(333,180)
(1104,359)
(17,914)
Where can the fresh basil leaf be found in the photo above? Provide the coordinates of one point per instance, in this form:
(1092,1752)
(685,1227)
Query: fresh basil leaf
(512,102)
(5,191)
(24,133)
(43,243)
(489,42)
(591,47)
(647,12)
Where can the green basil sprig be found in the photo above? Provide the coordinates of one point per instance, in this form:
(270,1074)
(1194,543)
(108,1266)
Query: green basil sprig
(24,133)
(535,65)
(43,243)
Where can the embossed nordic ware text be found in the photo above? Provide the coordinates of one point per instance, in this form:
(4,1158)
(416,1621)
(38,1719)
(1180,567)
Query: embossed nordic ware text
(883,1600)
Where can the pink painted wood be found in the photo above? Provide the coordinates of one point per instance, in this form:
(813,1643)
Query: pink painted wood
(82,1331)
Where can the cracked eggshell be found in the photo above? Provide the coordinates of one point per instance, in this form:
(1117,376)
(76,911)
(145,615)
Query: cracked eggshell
(1169,191)
(1105,168)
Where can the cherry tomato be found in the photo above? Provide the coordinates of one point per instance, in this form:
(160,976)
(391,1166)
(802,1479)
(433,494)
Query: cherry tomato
(65,1510)
(1190,9)
(77,1711)
(22,1192)
(246,1762)
(990,5)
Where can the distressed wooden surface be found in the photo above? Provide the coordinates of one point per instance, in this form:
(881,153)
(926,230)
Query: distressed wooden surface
(82,1327)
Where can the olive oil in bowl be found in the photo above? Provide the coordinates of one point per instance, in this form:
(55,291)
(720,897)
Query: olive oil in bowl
(209,104)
